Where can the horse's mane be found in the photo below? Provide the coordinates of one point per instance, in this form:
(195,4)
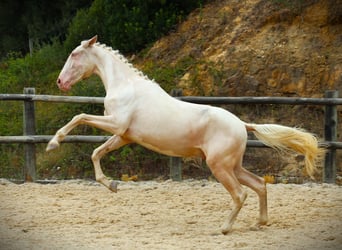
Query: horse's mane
(123,59)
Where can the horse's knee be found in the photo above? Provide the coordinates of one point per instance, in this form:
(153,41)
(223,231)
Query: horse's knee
(95,156)
(79,117)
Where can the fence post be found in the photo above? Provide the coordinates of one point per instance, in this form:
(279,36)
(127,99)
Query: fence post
(176,162)
(330,134)
(29,129)
(176,168)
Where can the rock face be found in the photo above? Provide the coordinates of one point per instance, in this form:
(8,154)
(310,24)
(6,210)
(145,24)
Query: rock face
(257,48)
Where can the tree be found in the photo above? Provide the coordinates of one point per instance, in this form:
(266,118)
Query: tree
(127,25)
(38,21)
(13,34)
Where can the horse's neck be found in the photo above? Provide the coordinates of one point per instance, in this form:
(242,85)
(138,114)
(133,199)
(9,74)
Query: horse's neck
(114,70)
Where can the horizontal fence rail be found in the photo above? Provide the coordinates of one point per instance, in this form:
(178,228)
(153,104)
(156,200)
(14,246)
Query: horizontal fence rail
(51,98)
(101,139)
(261,100)
(29,138)
(193,99)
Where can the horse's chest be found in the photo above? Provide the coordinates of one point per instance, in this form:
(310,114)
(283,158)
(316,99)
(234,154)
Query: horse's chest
(116,106)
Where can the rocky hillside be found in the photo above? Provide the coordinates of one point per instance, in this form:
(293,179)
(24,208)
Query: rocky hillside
(256,48)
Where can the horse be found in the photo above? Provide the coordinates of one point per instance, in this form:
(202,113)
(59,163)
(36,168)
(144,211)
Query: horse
(138,110)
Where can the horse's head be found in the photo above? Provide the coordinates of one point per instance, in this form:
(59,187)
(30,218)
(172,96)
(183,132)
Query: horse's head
(78,66)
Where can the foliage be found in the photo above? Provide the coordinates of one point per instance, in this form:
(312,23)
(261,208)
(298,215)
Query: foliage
(12,161)
(134,24)
(37,21)
(39,70)
(168,76)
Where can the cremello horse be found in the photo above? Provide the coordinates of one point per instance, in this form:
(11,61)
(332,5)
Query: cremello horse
(137,110)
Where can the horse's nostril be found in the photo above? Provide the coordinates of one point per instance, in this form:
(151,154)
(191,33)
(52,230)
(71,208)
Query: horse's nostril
(58,81)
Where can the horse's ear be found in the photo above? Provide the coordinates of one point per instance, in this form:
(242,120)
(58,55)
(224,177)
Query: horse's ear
(93,40)
(90,42)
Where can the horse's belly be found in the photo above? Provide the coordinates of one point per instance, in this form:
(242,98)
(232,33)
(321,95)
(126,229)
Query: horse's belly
(169,146)
(175,151)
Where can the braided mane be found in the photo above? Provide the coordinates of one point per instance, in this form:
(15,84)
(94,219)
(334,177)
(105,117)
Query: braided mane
(123,59)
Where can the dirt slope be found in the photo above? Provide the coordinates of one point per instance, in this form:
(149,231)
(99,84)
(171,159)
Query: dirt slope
(257,48)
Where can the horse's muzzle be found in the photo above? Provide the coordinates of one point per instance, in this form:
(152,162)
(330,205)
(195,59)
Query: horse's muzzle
(63,86)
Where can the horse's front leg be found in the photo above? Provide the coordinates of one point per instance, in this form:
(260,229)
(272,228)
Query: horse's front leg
(107,123)
(62,132)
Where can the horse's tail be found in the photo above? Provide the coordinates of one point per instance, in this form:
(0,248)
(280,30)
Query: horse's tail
(286,139)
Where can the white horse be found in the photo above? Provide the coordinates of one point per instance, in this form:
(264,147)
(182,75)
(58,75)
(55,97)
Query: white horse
(137,110)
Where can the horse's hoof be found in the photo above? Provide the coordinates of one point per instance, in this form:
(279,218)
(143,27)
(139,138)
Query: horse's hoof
(259,226)
(113,186)
(255,227)
(226,231)
(52,146)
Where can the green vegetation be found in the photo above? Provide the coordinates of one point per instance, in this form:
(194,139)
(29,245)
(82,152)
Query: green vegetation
(134,24)
(168,75)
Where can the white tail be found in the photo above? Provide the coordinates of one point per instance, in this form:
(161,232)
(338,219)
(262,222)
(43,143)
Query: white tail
(286,139)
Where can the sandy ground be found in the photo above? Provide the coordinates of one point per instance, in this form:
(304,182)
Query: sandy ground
(165,215)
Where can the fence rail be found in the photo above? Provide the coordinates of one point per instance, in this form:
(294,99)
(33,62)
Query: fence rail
(29,138)
(193,99)
(101,139)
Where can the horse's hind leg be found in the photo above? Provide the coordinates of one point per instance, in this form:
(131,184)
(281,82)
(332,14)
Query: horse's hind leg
(224,173)
(258,185)
(111,144)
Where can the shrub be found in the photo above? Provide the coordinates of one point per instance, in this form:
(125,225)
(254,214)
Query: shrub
(127,25)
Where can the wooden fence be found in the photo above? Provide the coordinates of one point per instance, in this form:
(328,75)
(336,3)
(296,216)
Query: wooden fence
(29,138)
